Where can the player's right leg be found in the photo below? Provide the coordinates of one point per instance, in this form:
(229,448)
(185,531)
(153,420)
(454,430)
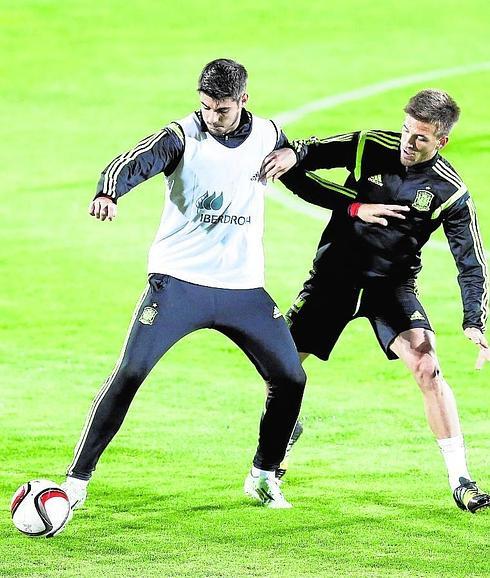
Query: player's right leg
(162,316)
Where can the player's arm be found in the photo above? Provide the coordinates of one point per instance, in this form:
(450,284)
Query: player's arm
(318,191)
(313,154)
(306,185)
(361,152)
(461,228)
(160,152)
(287,162)
(314,189)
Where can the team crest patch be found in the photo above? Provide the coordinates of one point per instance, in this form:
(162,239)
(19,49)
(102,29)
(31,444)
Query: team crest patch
(422,200)
(148,315)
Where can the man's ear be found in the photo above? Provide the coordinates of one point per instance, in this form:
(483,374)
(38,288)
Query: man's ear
(442,142)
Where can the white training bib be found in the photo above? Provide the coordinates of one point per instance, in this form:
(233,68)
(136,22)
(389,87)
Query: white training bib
(212,223)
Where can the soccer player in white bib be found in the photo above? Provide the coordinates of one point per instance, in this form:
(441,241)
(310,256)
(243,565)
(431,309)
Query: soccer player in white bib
(205,269)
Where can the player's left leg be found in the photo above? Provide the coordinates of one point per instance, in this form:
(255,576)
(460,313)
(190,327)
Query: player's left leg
(283,466)
(403,330)
(416,348)
(297,433)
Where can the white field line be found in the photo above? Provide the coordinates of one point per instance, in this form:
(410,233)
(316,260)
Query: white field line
(290,116)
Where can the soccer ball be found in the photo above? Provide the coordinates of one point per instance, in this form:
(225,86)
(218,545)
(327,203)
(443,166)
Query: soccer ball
(40,508)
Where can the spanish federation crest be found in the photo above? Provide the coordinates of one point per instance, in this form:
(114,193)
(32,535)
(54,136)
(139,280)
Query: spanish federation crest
(422,200)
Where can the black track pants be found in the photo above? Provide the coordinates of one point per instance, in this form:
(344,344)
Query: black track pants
(169,309)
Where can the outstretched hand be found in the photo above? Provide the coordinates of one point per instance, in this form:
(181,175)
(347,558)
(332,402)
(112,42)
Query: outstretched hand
(475,335)
(103,208)
(277,163)
(375,213)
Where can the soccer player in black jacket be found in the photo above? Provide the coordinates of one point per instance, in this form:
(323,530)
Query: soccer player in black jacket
(370,270)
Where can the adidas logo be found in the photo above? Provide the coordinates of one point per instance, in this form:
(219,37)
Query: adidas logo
(417,316)
(376,179)
(276,313)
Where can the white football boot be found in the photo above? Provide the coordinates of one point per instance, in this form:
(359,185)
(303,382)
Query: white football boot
(265,489)
(76,490)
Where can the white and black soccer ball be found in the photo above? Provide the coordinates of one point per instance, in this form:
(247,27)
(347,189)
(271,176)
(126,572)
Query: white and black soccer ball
(40,508)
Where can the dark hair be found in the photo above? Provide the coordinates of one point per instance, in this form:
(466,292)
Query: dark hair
(435,107)
(223,78)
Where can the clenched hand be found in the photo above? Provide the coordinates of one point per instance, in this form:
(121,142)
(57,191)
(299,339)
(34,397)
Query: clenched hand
(103,208)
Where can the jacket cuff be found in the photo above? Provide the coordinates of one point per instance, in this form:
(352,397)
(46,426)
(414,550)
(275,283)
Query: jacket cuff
(353,209)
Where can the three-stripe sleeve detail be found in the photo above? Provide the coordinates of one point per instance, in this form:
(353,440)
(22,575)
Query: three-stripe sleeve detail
(120,162)
(480,256)
(452,199)
(330,185)
(346,137)
(386,140)
(359,152)
(379,137)
(299,144)
(448,174)
(452,177)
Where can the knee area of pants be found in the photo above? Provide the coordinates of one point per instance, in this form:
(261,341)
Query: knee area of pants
(294,381)
(130,374)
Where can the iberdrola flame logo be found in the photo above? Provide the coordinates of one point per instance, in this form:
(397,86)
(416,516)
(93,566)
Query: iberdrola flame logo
(210,202)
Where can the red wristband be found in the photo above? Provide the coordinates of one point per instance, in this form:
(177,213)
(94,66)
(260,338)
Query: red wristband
(353,209)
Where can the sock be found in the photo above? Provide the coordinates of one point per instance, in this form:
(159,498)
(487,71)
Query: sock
(76,483)
(454,454)
(264,473)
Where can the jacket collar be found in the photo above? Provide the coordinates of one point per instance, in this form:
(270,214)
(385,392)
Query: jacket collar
(420,167)
(242,130)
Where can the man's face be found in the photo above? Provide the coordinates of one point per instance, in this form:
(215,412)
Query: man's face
(419,142)
(221,116)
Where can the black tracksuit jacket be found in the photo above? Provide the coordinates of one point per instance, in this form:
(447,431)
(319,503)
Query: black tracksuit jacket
(434,192)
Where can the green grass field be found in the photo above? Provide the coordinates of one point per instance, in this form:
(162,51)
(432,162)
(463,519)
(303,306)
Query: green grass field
(83,81)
